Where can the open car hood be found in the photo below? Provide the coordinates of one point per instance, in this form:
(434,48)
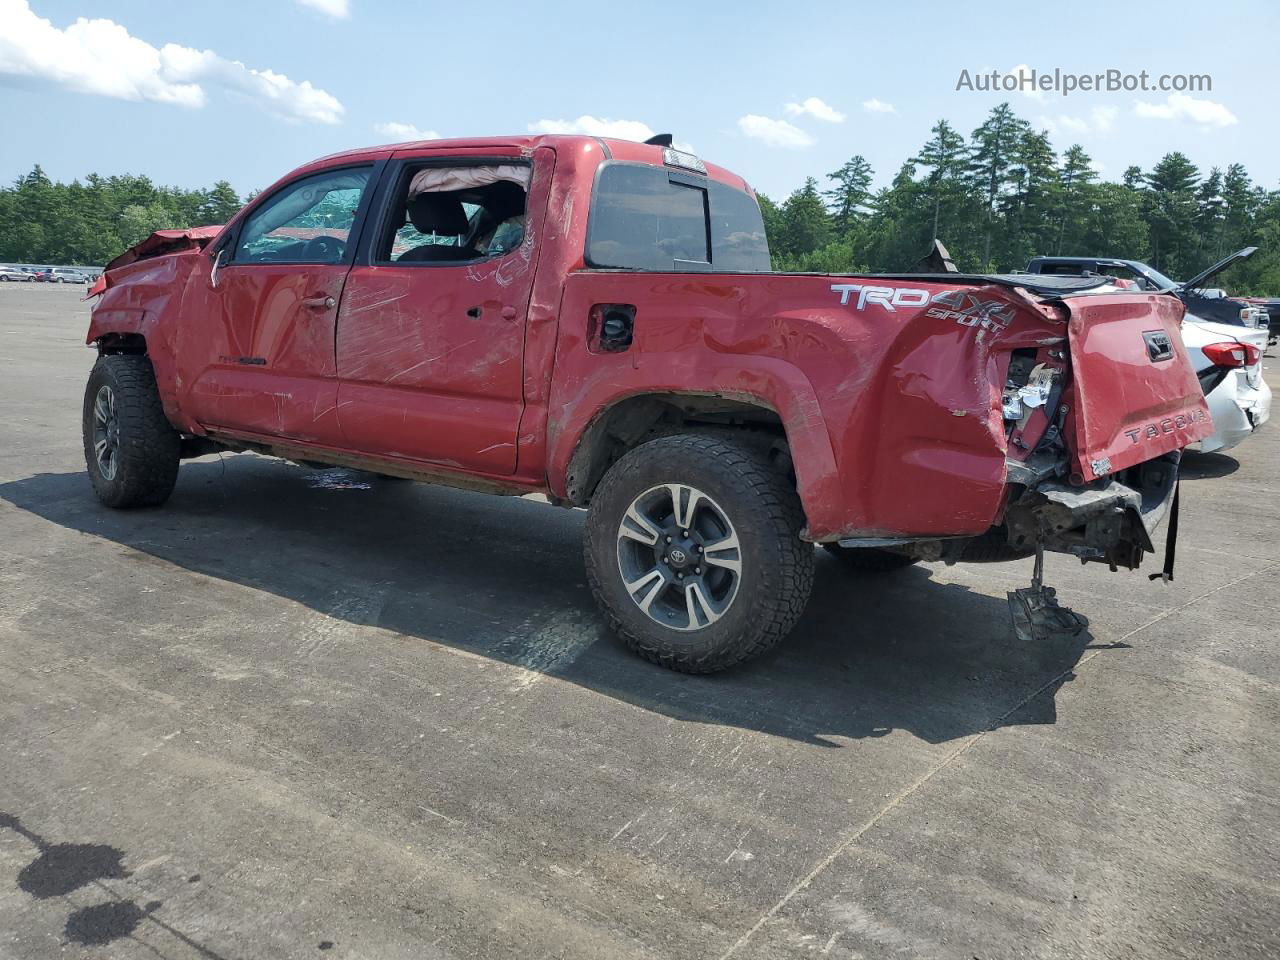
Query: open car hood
(1200,279)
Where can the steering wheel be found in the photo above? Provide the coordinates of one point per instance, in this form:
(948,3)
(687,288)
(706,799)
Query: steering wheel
(325,249)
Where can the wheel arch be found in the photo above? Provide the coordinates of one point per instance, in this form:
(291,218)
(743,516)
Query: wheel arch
(630,421)
(120,341)
(792,438)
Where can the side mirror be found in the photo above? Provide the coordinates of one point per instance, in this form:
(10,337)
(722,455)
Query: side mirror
(213,273)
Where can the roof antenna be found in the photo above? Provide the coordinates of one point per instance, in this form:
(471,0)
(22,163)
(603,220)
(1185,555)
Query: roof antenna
(660,140)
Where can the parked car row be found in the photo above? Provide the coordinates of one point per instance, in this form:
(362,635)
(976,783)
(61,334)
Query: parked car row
(1225,338)
(48,275)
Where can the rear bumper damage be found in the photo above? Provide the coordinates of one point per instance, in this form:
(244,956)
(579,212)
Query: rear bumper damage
(1114,520)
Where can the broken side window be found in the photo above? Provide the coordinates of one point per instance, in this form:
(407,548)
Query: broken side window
(456,214)
(308,221)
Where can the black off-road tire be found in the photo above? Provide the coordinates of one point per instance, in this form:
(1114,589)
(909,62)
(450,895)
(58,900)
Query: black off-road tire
(869,559)
(148,448)
(777,566)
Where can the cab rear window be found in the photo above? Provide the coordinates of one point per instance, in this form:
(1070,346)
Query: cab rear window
(652,218)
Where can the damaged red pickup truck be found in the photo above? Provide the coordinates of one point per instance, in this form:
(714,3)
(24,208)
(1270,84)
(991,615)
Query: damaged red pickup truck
(596,320)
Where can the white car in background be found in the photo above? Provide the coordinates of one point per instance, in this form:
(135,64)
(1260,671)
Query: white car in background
(1228,362)
(14,275)
(1225,338)
(1227,356)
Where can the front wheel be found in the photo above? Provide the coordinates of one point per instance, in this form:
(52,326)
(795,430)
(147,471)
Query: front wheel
(693,550)
(130,448)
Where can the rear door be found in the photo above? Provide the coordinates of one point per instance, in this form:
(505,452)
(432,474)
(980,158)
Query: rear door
(1135,394)
(430,338)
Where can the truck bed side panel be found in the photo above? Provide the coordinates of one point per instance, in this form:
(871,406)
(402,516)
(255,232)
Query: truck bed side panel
(892,413)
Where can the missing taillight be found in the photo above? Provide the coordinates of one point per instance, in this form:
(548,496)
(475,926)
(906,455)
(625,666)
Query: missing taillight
(1232,354)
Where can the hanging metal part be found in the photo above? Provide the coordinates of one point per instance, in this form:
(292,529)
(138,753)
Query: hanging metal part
(1036,613)
(1170,542)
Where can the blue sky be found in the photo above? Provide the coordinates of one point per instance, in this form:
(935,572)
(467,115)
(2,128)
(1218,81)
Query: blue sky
(112,98)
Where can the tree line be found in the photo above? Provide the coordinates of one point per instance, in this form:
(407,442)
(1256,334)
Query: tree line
(996,198)
(87,223)
(1003,195)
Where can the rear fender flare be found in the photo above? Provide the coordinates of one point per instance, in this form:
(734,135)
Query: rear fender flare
(783,390)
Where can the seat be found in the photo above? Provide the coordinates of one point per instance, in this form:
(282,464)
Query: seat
(440,214)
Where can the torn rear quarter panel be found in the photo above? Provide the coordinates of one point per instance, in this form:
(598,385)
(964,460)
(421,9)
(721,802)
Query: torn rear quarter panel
(892,415)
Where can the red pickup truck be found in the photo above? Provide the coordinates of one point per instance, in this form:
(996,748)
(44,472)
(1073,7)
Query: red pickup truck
(596,320)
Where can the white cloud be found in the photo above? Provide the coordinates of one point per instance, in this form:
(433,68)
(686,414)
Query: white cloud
(1025,73)
(101,57)
(592,127)
(1100,120)
(338,9)
(402,132)
(776,133)
(1104,118)
(816,109)
(1179,106)
(878,106)
(1064,125)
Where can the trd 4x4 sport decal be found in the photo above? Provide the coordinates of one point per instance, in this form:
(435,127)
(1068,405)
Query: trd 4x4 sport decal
(968,311)
(888,298)
(958,305)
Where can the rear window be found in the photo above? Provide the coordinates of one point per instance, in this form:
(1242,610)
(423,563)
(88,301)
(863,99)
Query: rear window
(653,218)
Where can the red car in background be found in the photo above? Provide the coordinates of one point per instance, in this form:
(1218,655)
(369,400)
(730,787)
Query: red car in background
(596,320)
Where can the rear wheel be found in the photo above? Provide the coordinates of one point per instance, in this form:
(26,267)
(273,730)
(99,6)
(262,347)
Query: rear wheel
(693,550)
(130,448)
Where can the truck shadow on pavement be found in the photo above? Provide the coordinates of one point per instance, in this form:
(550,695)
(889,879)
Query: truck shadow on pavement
(503,578)
(1206,466)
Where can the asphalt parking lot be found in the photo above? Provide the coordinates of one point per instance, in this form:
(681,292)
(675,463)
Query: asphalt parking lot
(306,713)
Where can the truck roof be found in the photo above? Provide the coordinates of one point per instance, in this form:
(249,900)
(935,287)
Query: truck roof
(614,149)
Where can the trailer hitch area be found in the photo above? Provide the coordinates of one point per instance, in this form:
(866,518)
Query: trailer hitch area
(1035,610)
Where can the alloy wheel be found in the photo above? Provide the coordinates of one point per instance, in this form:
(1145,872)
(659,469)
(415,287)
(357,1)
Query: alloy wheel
(679,556)
(106,433)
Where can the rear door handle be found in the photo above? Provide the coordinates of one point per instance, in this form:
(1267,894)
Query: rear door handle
(319,303)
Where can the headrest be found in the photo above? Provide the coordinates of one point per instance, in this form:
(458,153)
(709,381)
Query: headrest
(438,213)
